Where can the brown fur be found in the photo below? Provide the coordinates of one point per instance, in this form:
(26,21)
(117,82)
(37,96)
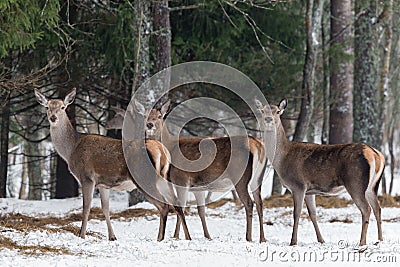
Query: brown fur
(98,161)
(246,147)
(308,169)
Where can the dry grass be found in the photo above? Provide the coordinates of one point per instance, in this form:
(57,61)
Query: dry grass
(325,202)
(395,220)
(388,201)
(346,220)
(278,201)
(7,243)
(219,203)
(328,202)
(23,223)
(132,213)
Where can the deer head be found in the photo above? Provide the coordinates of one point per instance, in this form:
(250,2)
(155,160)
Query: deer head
(117,121)
(271,115)
(155,120)
(56,107)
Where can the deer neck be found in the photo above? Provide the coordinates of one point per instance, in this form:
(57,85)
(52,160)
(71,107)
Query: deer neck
(64,138)
(165,136)
(282,146)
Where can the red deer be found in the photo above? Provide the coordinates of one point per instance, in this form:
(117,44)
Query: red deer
(117,121)
(308,169)
(98,161)
(243,147)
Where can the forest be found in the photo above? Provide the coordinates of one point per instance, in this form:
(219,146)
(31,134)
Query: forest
(71,69)
(335,61)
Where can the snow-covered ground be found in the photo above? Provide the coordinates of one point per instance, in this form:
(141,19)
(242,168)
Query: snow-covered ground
(137,245)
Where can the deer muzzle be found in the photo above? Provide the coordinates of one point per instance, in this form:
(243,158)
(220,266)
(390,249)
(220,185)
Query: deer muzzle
(53,118)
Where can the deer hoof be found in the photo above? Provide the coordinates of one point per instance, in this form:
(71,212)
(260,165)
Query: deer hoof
(112,238)
(81,234)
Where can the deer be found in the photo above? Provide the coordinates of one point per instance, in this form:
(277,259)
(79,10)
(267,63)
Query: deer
(117,121)
(249,148)
(309,169)
(98,161)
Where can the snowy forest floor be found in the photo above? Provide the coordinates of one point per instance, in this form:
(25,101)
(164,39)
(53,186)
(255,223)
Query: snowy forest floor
(44,233)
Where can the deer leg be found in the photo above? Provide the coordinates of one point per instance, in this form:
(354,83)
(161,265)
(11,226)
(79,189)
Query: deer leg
(365,212)
(298,199)
(200,199)
(259,207)
(241,189)
(362,204)
(372,199)
(182,194)
(87,192)
(105,206)
(163,209)
(181,215)
(311,207)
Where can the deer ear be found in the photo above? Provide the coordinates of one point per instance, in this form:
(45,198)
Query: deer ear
(259,105)
(139,108)
(41,98)
(165,107)
(70,97)
(282,105)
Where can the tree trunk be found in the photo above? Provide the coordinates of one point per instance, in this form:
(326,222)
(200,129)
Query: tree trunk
(24,179)
(325,83)
(53,175)
(34,169)
(366,93)
(392,159)
(162,42)
(143,27)
(5,125)
(313,38)
(142,66)
(387,20)
(341,73)
(162,35)
(276,185)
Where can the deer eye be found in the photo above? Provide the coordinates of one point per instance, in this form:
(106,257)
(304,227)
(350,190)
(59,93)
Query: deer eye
(160,116)
(63,107)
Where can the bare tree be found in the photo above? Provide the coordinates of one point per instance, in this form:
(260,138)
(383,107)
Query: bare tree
(387,20)
(341,73)
(366,94)
(142,65)
(162,42)
(313,22)
(5,124)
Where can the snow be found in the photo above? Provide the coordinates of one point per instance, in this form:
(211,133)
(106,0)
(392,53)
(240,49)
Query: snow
(137,245)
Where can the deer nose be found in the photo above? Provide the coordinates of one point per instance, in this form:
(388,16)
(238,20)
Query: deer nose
(53,118)
(149,125)
(268,119)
